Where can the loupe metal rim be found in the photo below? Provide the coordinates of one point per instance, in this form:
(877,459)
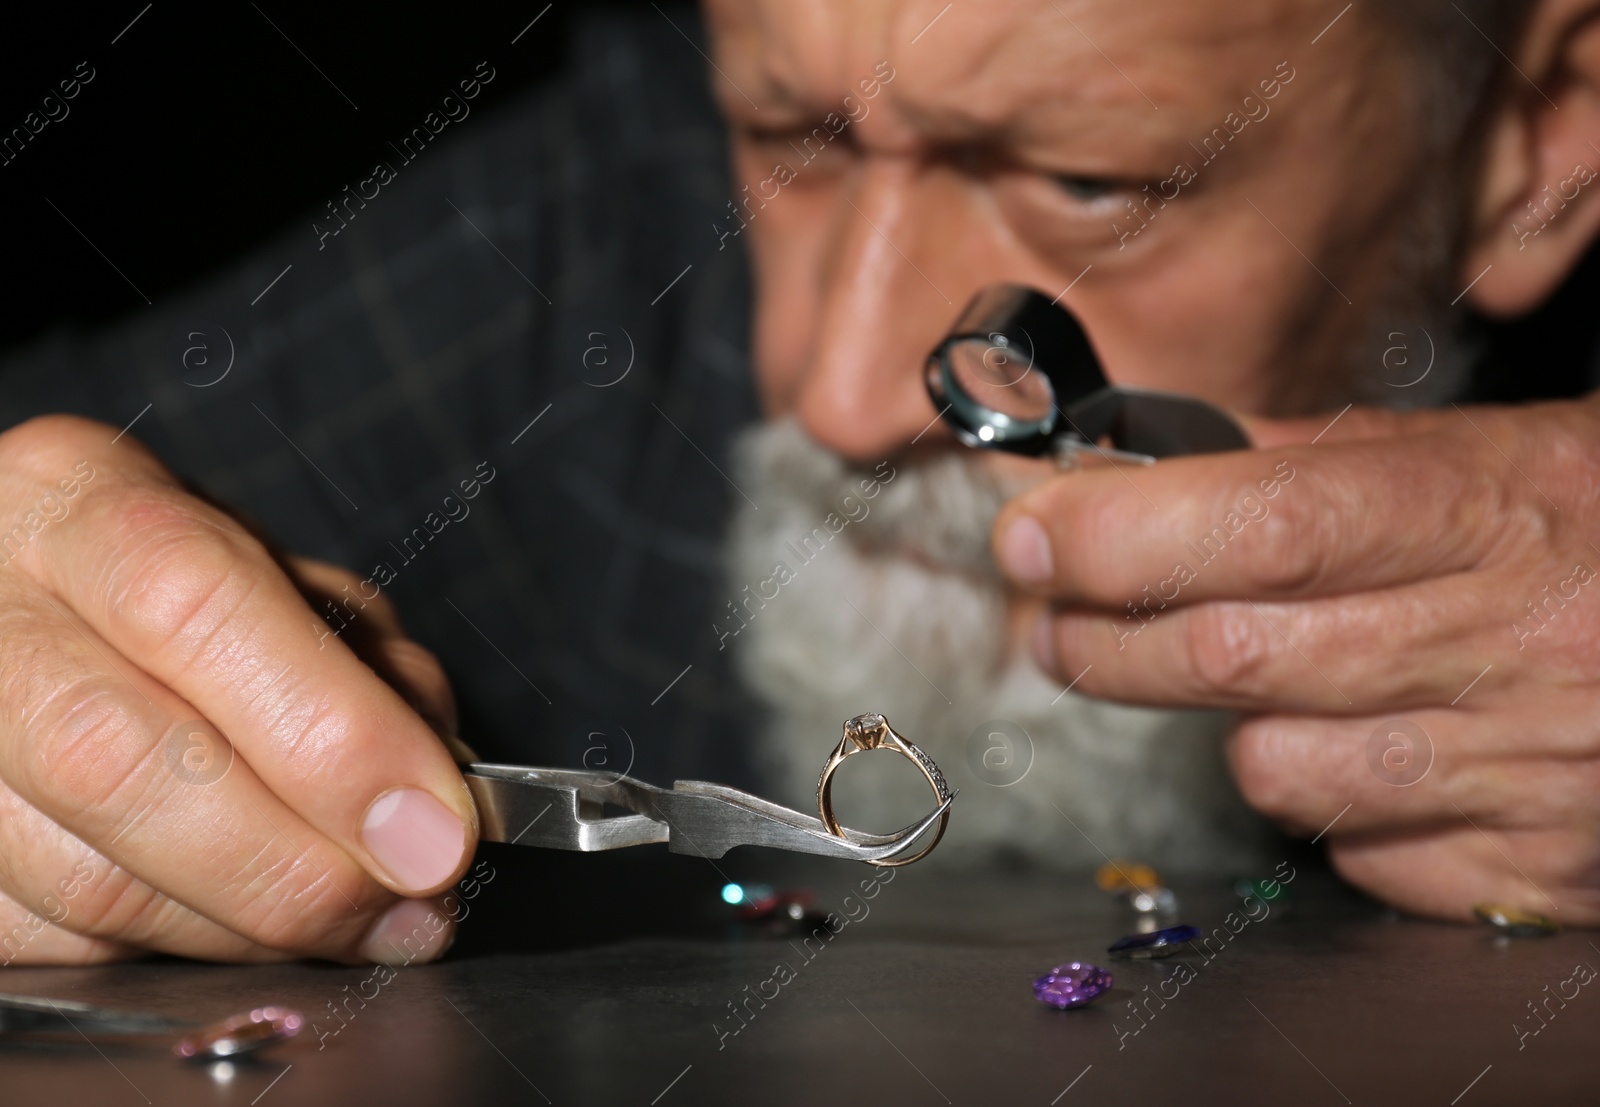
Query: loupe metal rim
(968,418)
(1086,409)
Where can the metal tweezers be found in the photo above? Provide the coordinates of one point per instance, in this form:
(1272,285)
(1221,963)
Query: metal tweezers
(37,1015)
(40,1017)
(565,809)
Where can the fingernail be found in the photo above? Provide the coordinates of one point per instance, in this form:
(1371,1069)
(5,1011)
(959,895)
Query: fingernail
(417,840)
(1025,551)
(411,932)
(1044,644)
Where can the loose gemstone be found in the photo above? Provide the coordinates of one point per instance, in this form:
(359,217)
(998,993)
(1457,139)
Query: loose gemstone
(1513,922)
(1126,876)
(1155,901)
(1159,943)
(1269,891)
(1071,985)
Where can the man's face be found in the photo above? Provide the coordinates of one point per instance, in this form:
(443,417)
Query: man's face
(1227,205)
(1230,209)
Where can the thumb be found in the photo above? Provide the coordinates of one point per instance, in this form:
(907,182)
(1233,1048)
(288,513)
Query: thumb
(374,633)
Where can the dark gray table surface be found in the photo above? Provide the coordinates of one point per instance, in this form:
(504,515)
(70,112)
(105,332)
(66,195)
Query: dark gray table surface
(608,979)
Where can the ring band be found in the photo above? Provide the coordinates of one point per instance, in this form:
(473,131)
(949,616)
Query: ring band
(873,732)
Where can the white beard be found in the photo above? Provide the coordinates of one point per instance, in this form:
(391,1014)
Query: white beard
(928,625)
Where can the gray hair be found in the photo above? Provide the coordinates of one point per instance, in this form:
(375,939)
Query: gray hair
(1460,42)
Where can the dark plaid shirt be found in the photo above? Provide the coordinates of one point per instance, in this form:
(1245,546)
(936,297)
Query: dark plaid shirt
(476,312)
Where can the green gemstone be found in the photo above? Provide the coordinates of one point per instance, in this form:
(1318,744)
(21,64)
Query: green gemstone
(1268,891)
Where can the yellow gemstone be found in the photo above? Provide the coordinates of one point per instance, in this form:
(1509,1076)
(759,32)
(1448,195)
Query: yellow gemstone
(1126,876)
(1514,921)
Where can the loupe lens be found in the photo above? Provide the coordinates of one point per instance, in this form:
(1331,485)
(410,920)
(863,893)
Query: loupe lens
(1016,371)
(998,395)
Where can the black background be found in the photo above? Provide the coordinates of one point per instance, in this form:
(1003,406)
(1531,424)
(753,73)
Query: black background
(204,131)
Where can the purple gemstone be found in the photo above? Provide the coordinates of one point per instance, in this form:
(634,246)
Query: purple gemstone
(1071,985)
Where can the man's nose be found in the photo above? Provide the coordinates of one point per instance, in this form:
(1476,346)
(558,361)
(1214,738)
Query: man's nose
(892,283)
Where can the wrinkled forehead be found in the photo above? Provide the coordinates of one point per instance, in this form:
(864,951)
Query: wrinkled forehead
(971,69)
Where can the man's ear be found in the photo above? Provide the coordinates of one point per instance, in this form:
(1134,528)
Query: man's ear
(1537,210)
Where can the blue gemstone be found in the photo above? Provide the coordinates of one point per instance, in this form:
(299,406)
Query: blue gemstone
(1158,943)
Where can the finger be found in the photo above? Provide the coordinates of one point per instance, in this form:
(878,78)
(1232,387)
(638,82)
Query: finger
(338,596)
(1423,771)
(414,671)
(78,890)
(1415,646)
(1349,424)
(28,938)
(380,641)
(101,749)
(205,610)
(1444,874)
(1287,523)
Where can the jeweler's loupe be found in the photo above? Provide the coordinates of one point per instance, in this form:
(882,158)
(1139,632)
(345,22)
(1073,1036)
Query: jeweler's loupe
(1018,373)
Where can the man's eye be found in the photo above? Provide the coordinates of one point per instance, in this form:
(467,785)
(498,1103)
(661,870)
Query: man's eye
(1088,189)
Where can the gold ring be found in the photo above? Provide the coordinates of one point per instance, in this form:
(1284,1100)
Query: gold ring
(873,732)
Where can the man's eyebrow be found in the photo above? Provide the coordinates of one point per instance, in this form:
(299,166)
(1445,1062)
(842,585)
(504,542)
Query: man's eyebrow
(1078,132)
(770,103)
(1123,141)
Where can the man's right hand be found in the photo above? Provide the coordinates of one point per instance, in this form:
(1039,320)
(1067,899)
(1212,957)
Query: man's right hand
(138,626)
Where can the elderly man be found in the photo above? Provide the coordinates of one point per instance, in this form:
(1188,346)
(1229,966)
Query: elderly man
(1279,208)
